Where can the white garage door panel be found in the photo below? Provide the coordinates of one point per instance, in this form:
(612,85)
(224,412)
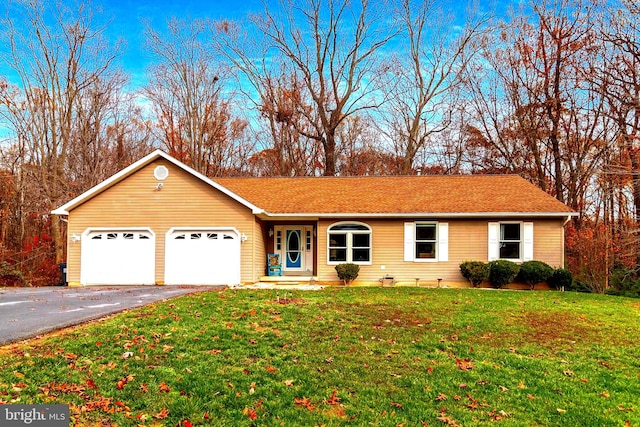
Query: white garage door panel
(116,257)
(202,257)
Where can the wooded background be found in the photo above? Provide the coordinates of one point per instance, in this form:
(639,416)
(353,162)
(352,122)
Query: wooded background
(549,91)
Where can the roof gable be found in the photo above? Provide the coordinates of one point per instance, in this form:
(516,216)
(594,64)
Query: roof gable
(126,172)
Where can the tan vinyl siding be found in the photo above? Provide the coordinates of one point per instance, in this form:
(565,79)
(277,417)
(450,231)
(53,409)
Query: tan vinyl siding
(184,201)
(468,240)
(259,249)
(548,242)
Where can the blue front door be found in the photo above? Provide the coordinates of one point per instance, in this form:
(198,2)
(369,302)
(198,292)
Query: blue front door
(293,249)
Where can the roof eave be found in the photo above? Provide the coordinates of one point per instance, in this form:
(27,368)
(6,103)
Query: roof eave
(268,215)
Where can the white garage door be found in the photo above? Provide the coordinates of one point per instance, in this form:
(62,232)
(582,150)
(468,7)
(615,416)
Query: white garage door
(118,257)
(202,257)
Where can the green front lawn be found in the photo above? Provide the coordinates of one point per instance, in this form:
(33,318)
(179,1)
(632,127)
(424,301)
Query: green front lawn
(344,356)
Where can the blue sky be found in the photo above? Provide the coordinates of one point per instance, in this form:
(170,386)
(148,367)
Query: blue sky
(128,17)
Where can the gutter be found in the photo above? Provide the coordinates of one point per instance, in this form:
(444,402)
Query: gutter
(293,215)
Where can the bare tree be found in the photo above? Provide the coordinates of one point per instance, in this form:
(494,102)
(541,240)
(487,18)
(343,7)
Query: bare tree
(187,90)
(539,113)
(426,75)
(281,104)
(58,53)
(332,46)
(618,79)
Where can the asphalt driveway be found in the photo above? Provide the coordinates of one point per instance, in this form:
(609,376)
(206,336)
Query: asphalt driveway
(28,312)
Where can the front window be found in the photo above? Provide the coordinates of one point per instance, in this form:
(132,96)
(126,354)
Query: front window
(349,242)
(510,240)
(426,241)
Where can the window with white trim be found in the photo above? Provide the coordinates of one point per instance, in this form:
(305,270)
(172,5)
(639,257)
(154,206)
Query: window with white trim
(426,241)
(511,240)
(349,242)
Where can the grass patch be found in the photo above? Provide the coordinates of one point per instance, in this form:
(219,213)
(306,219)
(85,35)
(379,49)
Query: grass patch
(343,356)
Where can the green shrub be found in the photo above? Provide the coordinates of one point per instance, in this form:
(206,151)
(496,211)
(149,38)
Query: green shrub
(534,272)
(561,279)
(502,272)
(475,272)
(9,276)
(624,282)
(347,272)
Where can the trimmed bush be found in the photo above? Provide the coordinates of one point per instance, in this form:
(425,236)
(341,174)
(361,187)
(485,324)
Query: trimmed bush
(561,279)
(502,272)
(347,272)
(475,272)
(534,272)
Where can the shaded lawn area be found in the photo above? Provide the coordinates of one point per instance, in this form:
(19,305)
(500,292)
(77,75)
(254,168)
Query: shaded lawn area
(344,356)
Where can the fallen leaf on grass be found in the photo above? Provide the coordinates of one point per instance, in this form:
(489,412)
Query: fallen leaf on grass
(164,388)
(447,420)
(251,413)
(605,395)
(334,399)
(123,381)
(441,396)
(305,402)
(561,411)
(164,413)
(497,416)
(464,365)
(396,405)
(288,383)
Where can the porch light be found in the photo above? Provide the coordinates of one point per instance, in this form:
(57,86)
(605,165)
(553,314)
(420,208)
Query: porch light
(75,238)
(271,232)
(243,237)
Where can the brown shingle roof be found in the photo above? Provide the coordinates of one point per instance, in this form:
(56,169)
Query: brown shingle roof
(395,195)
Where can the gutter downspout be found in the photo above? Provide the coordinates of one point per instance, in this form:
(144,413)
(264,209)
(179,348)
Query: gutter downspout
(564,224)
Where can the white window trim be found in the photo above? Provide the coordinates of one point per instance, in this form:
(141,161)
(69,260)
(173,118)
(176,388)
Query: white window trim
(349,247)
(526,241)
(442,241)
